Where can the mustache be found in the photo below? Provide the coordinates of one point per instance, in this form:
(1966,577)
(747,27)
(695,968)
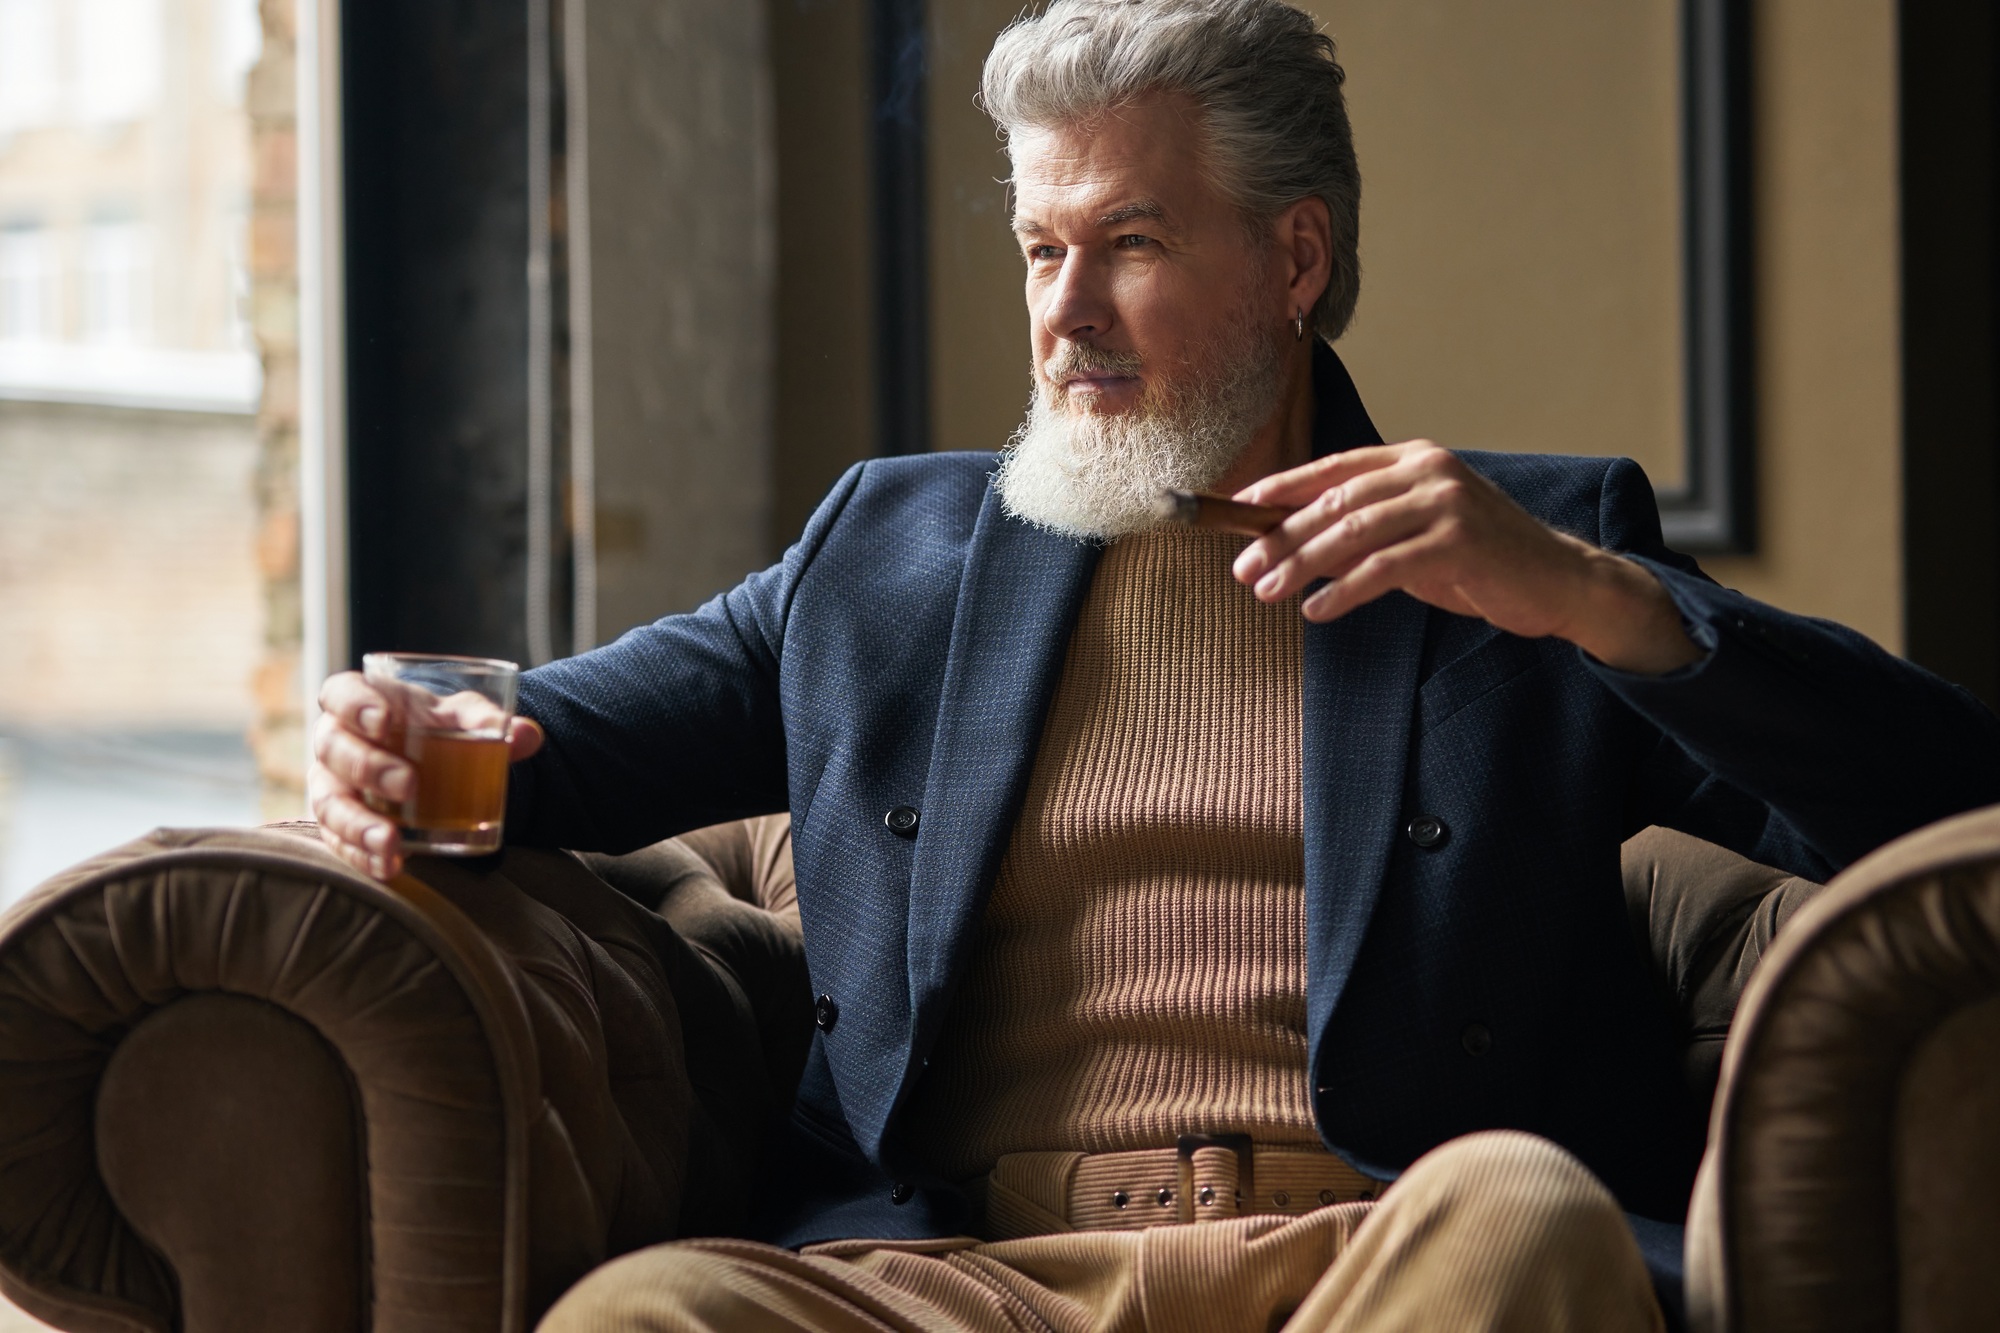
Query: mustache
(1089,359)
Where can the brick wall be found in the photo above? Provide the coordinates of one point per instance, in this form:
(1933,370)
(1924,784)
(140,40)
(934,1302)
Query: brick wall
(276,733)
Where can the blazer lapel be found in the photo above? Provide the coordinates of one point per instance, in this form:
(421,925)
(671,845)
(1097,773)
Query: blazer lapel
(1359,685)
(1017,605)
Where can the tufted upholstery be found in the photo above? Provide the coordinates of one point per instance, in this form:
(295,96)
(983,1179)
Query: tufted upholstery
(1852,1180)
(519,1098)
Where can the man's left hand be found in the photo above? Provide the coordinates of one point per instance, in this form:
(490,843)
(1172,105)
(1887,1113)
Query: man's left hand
(1414,517)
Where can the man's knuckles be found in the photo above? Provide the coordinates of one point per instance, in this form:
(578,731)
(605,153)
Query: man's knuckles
(346,693)
(343,816)
(1429,456)
(387,774)
(366,766)
(323,732)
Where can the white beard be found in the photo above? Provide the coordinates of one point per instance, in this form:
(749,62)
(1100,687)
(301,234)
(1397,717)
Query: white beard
(1100,476)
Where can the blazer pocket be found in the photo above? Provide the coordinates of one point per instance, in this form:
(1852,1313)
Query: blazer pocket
(1476,673)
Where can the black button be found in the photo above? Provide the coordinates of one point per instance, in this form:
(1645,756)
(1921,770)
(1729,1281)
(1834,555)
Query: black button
(902,821)
(901,1194)
(826,1013)
(1477,1039)
(1427,831)
(1119,1198)
(1164,1197)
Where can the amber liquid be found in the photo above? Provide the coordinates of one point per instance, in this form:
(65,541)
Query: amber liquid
(460,799)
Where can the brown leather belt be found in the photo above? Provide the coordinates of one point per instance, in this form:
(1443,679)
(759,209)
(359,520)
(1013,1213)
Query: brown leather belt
(1207,1178)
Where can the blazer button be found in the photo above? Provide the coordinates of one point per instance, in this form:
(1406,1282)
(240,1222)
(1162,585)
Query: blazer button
(825,1013)
(902,821)
(1477,1039)
(1427,831)
(901,1194)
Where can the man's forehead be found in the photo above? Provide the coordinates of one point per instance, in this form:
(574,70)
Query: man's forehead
(1116,167)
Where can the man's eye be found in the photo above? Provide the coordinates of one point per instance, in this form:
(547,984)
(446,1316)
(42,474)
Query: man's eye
(1036,252)
(1133,242)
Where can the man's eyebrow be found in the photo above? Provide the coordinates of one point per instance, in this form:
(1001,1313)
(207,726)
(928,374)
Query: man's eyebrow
(1136,211)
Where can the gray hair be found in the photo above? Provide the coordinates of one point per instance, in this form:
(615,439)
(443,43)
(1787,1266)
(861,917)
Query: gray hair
(1262,73)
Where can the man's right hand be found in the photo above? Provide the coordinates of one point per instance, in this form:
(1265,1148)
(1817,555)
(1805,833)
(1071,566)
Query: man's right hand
(349,759)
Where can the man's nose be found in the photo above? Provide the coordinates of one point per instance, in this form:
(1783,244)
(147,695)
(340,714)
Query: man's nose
(1079,305)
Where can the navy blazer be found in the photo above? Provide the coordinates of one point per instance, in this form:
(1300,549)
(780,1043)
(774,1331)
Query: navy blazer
(903,653)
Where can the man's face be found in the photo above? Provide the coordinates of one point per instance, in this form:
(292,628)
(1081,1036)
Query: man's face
(1155,322)
(1138,270)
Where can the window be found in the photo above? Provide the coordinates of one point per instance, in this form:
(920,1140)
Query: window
(26,273)
(130,592)
(239,40)
(119,47)
(28,64)
(117,284)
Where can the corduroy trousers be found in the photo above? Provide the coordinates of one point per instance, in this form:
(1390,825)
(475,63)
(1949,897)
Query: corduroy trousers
(1496,1232)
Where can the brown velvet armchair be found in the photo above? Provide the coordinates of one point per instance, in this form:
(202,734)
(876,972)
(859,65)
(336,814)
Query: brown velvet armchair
(242,1088)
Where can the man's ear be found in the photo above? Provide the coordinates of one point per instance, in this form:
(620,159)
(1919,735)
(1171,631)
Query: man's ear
(1304,235)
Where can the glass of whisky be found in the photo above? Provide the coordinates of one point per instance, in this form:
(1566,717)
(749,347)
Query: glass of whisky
(448,716)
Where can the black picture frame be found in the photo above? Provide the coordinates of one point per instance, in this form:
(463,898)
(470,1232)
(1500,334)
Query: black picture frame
(1713,510)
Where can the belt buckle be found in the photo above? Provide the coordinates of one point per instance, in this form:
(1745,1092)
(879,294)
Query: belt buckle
(1246,1183)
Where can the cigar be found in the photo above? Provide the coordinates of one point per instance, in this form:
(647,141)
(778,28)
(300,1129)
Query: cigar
(1219,513)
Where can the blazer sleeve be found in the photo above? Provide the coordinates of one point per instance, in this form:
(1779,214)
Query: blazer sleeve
(1794,740)
(676,725)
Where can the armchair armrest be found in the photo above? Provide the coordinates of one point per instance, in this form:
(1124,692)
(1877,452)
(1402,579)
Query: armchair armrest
(1852,1179)
(242,1087)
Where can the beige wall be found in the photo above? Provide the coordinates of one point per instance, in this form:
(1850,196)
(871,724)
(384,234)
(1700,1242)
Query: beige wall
(1830,448)
(732,287)
(1519,260)
(1519,241)
(681,259)
(979,322)
(824,413)
(1520,255)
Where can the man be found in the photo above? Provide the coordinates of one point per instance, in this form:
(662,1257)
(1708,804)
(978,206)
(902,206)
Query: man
(1108,835)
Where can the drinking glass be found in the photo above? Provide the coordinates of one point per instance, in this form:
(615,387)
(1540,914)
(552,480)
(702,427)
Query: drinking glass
(448,716)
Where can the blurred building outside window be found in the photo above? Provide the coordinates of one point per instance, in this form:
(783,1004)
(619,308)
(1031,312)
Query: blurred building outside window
(29,86)
(27,283)
(147,522)
(117,284)
(120,51)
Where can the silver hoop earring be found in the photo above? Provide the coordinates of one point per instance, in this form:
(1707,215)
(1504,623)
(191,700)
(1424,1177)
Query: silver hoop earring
(1299,327)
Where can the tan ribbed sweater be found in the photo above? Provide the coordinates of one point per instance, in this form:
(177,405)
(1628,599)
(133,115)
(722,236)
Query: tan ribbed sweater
(1140,969)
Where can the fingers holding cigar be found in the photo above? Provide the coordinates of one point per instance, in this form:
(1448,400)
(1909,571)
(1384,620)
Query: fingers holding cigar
(1219,513)
(1360,505)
